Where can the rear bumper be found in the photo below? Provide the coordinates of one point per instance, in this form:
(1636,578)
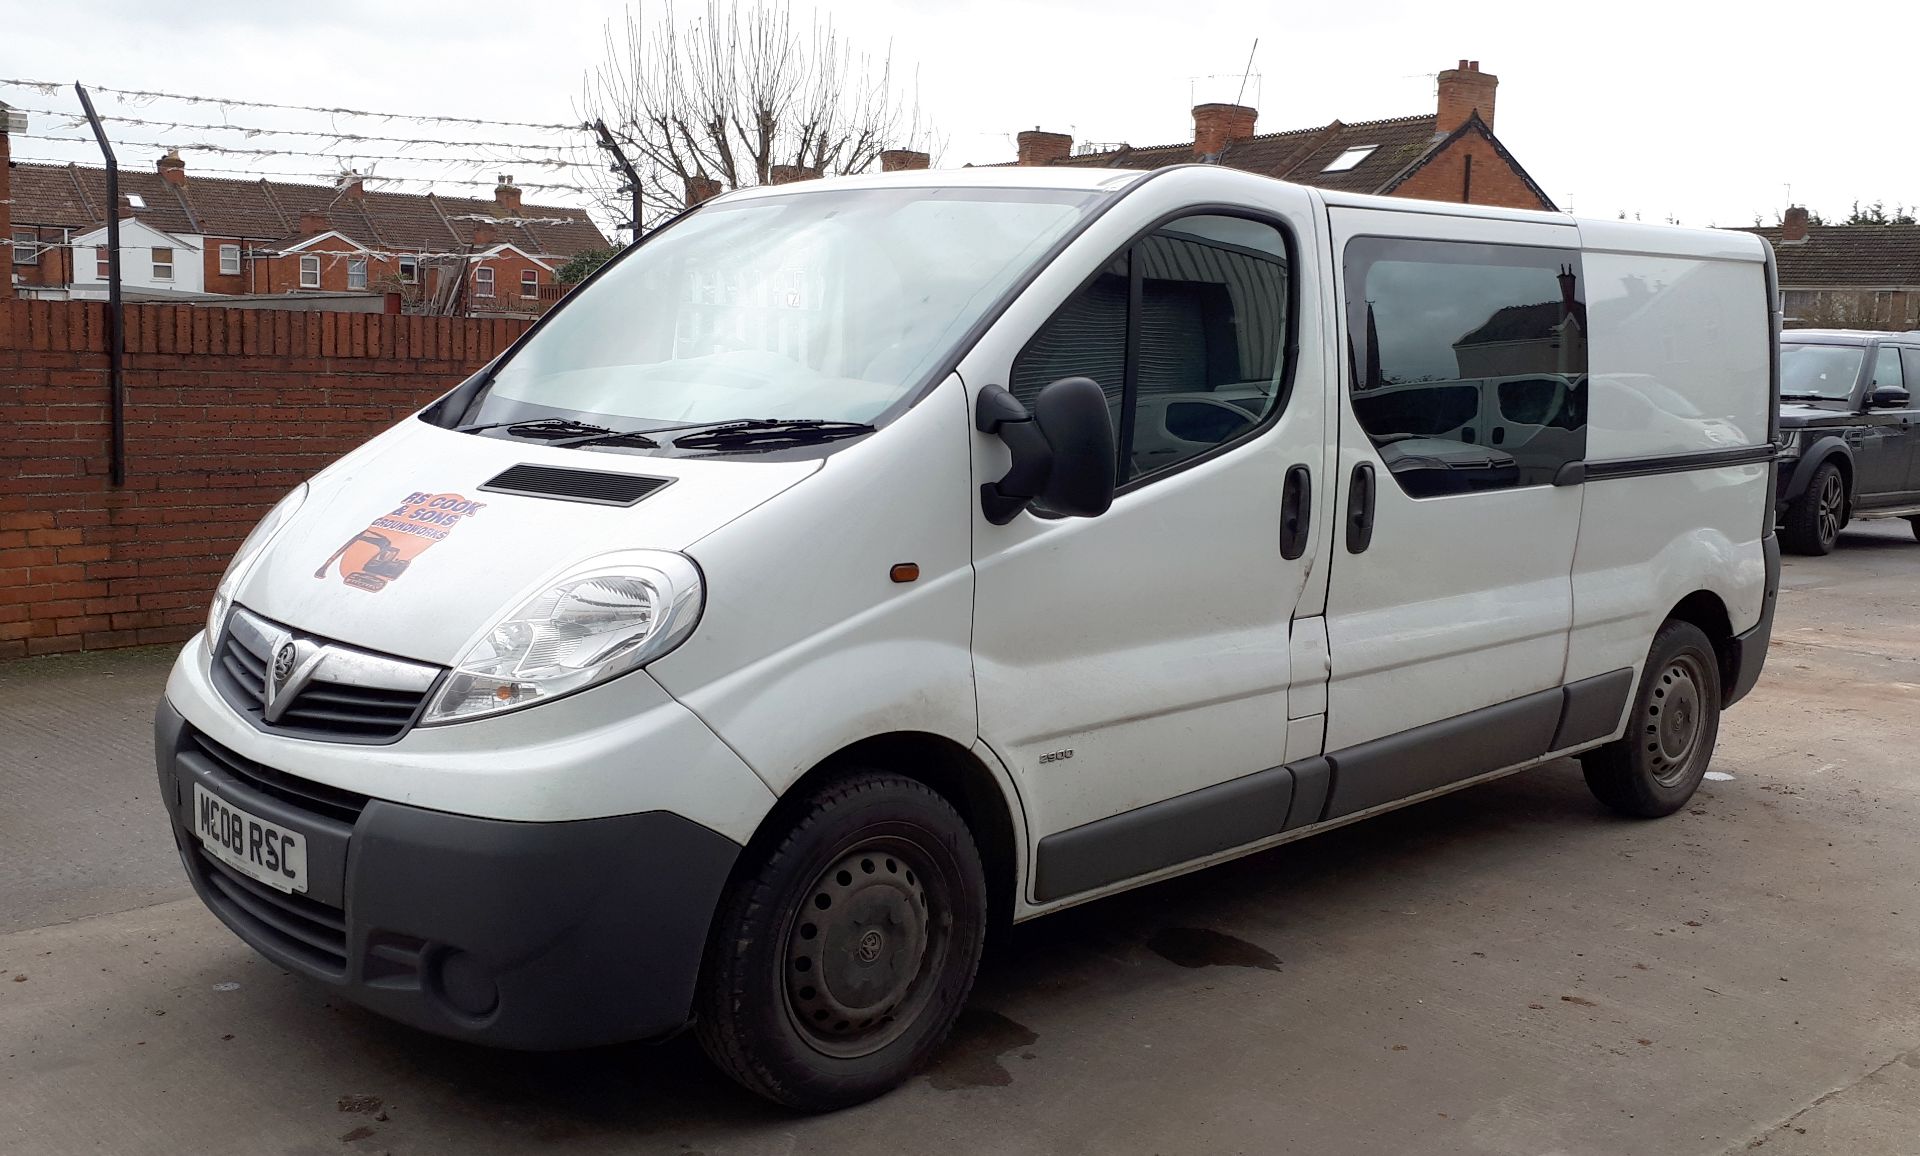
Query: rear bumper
(520,935)
(1750,647)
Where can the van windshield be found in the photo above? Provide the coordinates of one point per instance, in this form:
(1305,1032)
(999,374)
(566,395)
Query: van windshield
(825,306)
(1819,372)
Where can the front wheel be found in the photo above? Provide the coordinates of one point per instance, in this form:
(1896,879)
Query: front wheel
(1915,523)
(1655,767)
(1812,523)
(840,959)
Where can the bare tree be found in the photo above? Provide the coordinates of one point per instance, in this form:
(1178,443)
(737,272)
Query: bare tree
(743,95)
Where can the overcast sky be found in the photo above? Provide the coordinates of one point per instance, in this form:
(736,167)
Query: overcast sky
(1707,113)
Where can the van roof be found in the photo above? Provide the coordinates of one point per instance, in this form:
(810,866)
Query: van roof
(1846,336)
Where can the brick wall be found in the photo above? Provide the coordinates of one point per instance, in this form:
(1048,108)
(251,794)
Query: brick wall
(227,409)
(1494,181)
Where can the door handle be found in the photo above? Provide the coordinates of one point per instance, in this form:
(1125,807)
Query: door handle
(1296,512)
(1360,509)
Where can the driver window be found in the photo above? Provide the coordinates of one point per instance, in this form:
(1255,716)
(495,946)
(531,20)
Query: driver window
(1185,331)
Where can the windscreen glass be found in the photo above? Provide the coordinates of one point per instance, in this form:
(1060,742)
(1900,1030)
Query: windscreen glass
(823,305)
(1820,371)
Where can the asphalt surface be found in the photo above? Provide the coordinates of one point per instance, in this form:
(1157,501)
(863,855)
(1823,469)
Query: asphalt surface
(1505,970)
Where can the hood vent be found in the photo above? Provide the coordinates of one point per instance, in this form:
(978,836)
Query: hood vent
(600,487)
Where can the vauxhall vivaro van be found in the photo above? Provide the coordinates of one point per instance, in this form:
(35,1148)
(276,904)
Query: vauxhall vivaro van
(857,566)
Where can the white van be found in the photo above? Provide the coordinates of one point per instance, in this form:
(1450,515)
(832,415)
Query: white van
(859,565)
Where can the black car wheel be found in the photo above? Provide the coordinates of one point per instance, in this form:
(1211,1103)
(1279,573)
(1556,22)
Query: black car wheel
(1655,767)
(1915,523)
(1813,521)
(840,960)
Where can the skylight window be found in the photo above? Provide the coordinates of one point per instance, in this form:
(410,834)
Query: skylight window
(136,200)
(1349,159)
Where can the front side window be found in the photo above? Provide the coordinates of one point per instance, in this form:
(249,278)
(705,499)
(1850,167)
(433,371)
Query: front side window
(483,282)
(1886,369)
(356,272)
(229,260)
(529,283)
(834,304)
(1469,361)
(1185,331)
(162,263)
(409,270)
(309,272)
(102,262)
(26,247)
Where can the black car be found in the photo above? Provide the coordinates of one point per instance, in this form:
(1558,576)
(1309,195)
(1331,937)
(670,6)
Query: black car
(1849,433)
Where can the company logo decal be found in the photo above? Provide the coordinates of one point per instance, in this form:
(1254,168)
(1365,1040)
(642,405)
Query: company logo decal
(382,552)
(283,664)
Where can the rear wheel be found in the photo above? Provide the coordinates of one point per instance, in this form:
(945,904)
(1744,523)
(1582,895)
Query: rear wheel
(1656,766)
(839,961)
(1813,521)
(1915,523)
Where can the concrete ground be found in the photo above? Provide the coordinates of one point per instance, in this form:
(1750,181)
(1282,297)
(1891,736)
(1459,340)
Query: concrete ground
(1505,970)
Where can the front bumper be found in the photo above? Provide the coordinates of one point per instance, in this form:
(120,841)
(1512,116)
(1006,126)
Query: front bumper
(517,934)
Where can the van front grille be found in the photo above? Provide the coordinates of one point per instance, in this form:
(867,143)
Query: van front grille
(311,931)
(323,708)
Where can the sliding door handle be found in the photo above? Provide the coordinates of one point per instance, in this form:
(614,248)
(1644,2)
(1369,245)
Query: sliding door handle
(1360,509)
(1296,512)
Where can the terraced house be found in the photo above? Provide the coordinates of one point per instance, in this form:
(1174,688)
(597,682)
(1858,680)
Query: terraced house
(1449,154)
(182,239)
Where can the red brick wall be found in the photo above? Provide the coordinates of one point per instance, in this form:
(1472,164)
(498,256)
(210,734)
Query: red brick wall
(1494,180)
(227,409)
(282,274)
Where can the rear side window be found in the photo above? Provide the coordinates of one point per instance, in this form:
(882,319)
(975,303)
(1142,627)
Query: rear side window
(1469,361)
(1186,331)
(1912,359)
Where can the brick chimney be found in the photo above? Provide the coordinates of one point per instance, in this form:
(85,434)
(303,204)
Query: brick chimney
(1215,126)
(173,170)
(1793,225)
(313,222)
(350,186)
(701,189)
(485,235)
(506,197)
(1044,148)
(1464,91)
(788,174)
(900,160)
(6,207)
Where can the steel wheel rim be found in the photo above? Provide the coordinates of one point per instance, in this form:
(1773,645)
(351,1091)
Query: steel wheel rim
(1676,716)
(860,968)
(1831,500)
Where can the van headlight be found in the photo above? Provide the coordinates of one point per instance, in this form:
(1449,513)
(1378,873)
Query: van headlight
(243,558)
(600,619)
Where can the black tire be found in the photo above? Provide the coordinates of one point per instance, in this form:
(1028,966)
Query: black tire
(846,946)
(1915,523)
(1656,766)
(1812,523)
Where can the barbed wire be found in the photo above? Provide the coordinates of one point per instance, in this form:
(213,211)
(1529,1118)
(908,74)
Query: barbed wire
(330,178)
(50,88)
(79,119)
(235,150)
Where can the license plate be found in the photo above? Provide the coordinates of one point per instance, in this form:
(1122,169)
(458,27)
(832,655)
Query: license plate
(249,844)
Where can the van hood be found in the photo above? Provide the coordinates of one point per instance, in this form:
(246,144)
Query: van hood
(398,549)
(1796,415)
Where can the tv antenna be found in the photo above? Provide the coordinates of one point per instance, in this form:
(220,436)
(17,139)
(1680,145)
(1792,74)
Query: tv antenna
(1239,96)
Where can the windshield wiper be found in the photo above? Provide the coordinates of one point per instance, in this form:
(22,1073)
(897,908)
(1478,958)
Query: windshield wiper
(547,428)
(768,433)
(1806,397)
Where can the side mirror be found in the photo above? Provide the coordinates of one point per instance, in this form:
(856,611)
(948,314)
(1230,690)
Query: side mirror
(1063,454)
(1888,397)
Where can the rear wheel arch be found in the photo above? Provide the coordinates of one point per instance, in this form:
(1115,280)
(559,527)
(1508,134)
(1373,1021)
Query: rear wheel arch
(1704,609)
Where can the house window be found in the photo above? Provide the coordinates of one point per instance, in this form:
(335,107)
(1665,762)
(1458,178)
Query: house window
(229,260)
(356,272)
(1469,362)
(483,282)
(309,272)
(409,270)
(529,283)
(102,262)
(26,247)
(162,263)
(1349,159)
